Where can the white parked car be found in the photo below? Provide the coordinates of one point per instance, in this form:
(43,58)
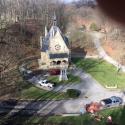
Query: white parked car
(29,71)
(45,83)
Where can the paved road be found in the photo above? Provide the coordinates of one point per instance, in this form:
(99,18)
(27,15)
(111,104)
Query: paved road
(91,91)
(44,107)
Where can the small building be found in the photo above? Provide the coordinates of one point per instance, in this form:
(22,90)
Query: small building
(54,48)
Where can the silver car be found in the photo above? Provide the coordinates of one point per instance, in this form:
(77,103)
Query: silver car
(112,101)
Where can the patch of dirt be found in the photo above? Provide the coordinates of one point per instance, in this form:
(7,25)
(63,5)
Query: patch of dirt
(109,47)
(115,49)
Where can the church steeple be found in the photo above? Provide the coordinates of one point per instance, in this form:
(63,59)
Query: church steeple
(54,19)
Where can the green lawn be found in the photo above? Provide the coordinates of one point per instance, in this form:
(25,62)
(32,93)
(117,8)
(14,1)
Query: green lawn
(71,79)
(28,91)
(39,94)
(103,72)
(118,117)
(17,88)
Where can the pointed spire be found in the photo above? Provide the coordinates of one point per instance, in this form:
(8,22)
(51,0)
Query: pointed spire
(54,19)
(46,32)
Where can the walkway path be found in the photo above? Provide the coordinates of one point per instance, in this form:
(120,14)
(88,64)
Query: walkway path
(102,52)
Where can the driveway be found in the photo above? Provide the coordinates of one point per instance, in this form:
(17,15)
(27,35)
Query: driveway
(90,89)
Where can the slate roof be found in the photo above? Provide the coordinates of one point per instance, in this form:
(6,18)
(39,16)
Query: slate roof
(51,33)
(66,40)
(60,55)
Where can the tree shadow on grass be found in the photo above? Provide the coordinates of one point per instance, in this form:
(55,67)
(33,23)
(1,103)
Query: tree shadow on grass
(40,103)
(117,114)
(29,111)
(87,64)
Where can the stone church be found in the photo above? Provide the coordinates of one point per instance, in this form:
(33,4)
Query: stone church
(54,46)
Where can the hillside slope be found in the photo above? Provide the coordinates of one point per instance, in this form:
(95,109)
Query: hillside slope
(79,23)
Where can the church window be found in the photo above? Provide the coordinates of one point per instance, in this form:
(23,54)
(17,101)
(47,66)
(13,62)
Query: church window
(53,62)
(58,62)
(64,61)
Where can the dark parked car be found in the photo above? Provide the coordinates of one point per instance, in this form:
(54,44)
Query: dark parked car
(112,101)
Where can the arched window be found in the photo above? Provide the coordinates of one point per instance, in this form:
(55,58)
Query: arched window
(58,62)
(53,63)
(64,61)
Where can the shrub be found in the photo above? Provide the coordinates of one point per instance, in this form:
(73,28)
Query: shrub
(73,93)
(82,28)
(94,27)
